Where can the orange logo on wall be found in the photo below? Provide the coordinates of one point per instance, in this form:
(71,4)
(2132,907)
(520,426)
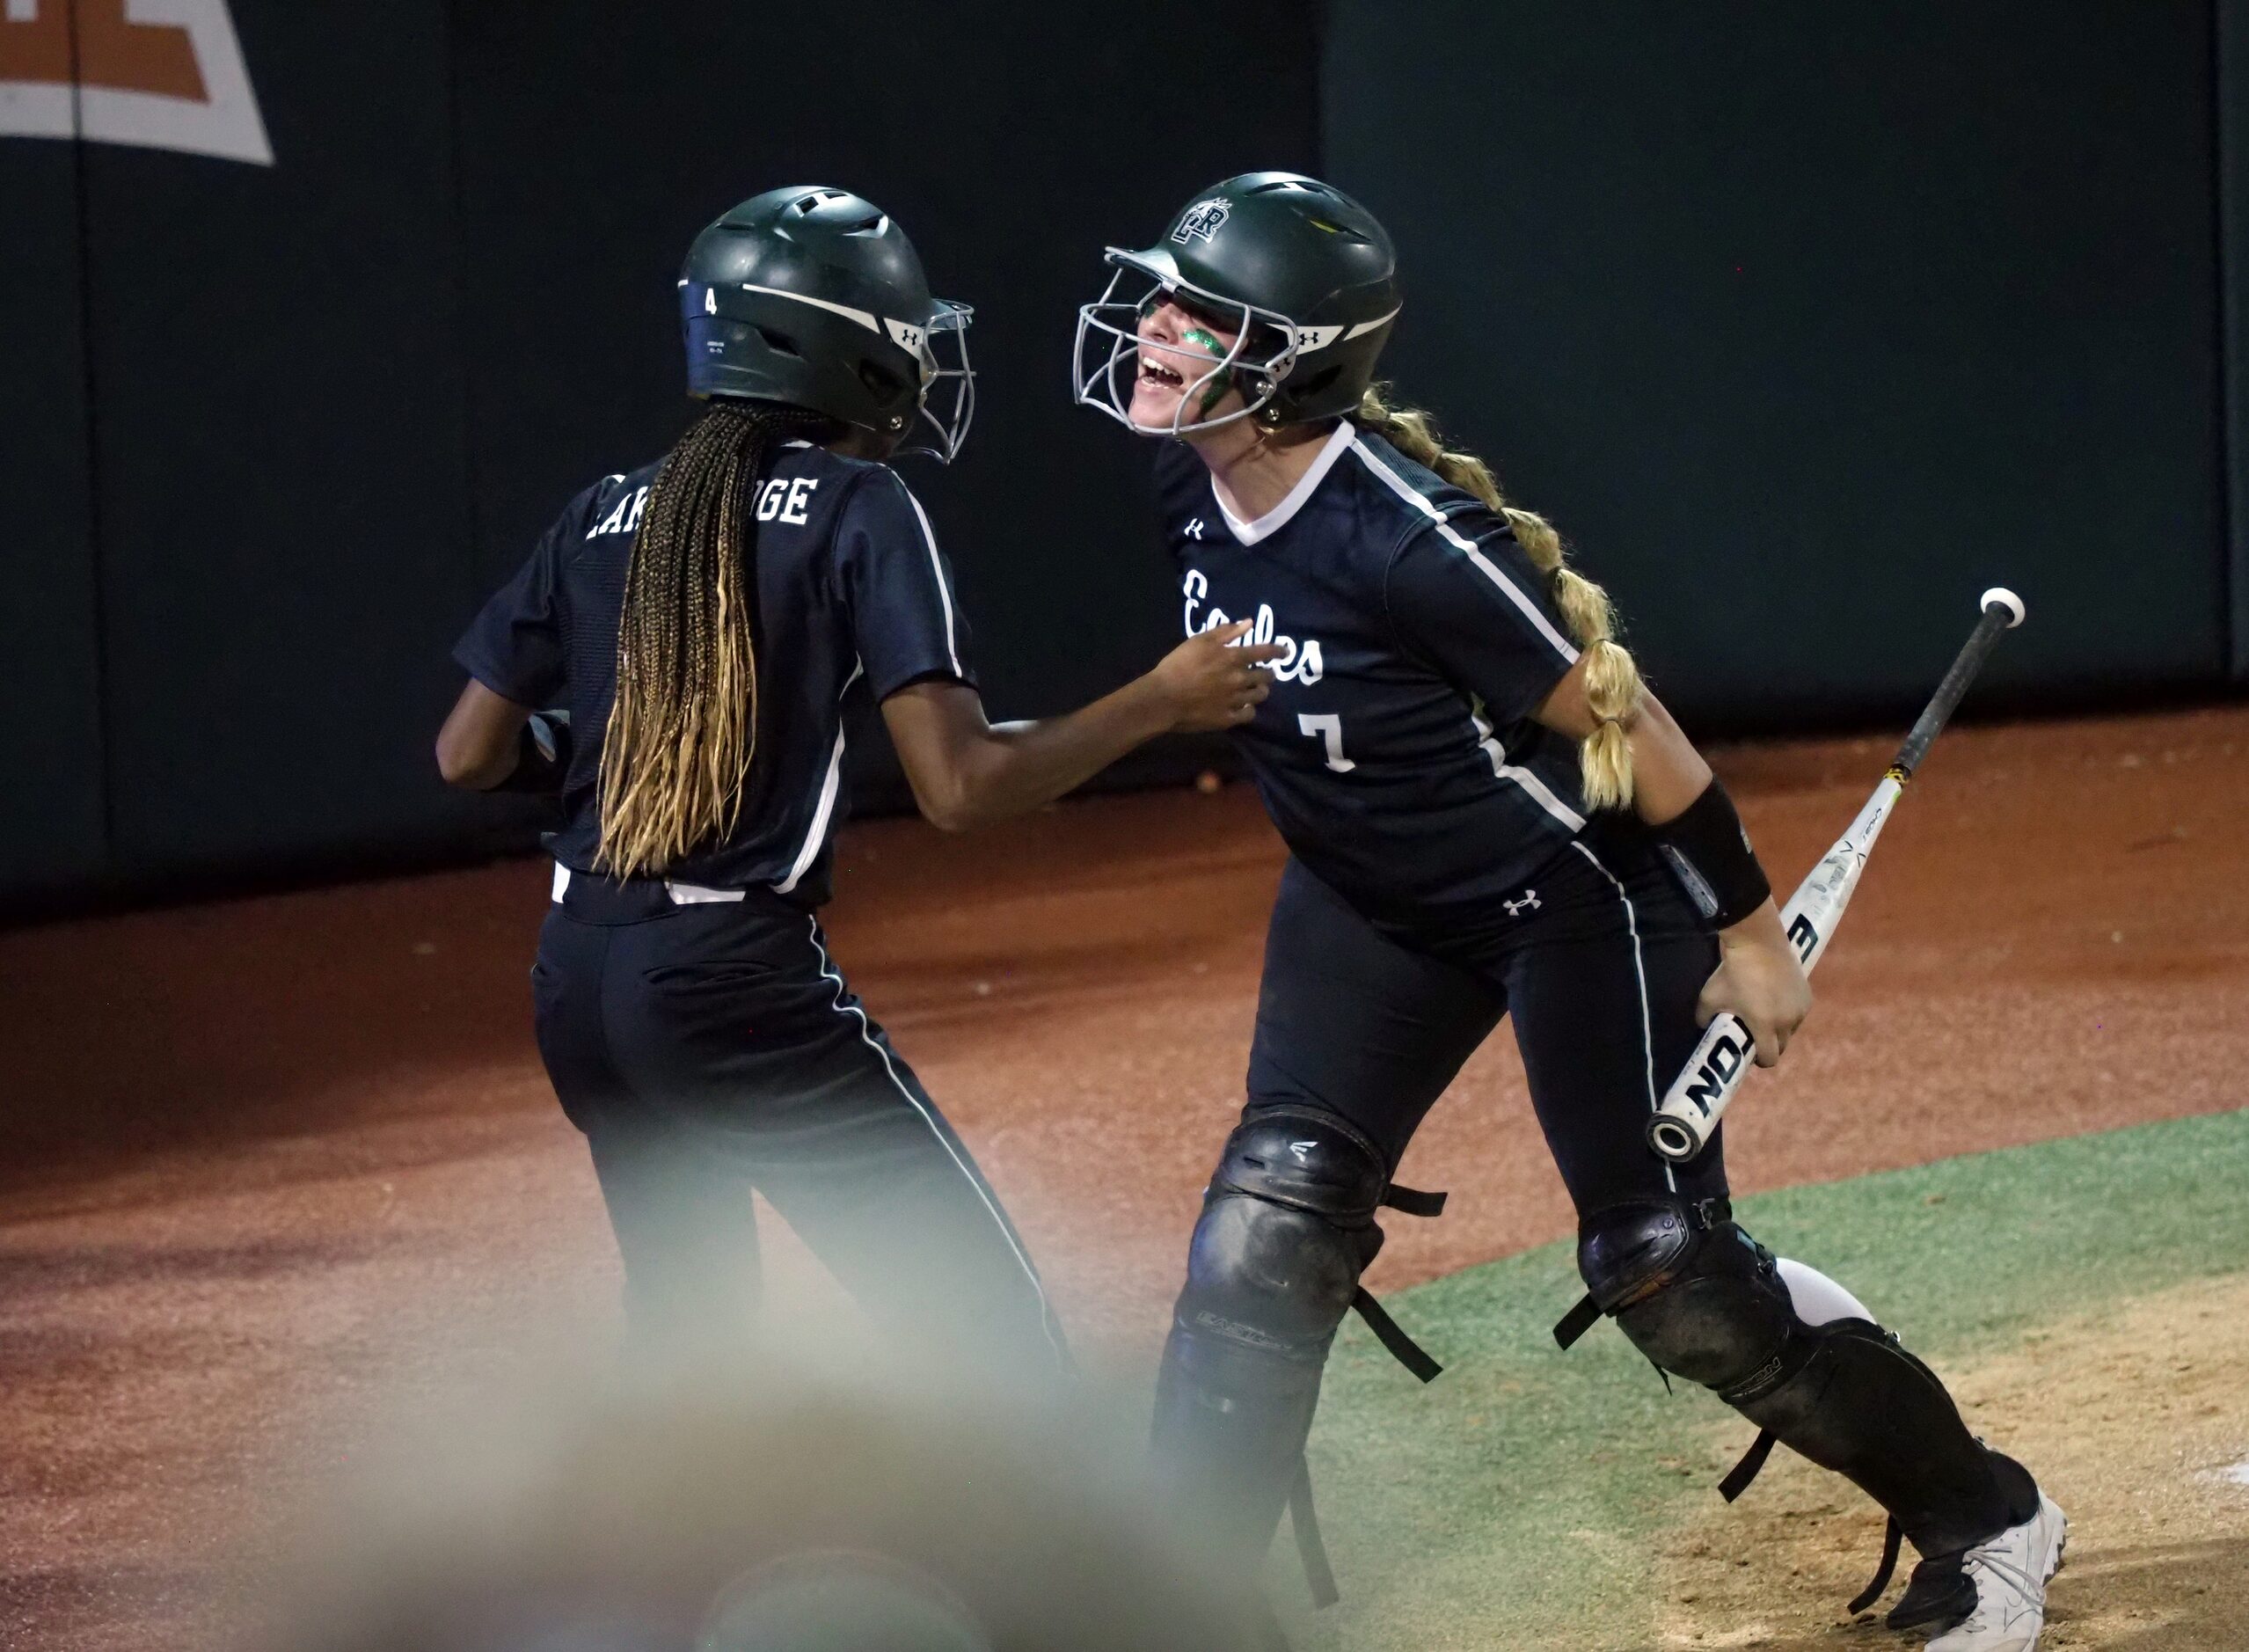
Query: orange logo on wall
(162,74)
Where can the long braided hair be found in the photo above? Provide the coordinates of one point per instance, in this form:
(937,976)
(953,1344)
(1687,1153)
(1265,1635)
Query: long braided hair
(1613,689)
(683,724)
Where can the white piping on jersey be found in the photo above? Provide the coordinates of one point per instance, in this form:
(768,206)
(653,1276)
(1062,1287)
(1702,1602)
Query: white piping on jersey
(864,317)
(1274,520)
(1639,970)
(937,567)
(1489,569)
(1538,789)
(829,787)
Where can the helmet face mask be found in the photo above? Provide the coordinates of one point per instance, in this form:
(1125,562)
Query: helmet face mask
(814,297)
(1302,276)
(1110,346)
(942,433)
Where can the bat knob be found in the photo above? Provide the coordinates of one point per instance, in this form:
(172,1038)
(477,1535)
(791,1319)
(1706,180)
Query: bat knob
(2000,596)
(1672,1140)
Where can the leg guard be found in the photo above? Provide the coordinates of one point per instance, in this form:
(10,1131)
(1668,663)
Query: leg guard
(1287,1226)
(1795,1354)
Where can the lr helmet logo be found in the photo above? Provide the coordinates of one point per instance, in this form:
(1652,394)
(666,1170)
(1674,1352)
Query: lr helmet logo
(158,74)
(1203,220)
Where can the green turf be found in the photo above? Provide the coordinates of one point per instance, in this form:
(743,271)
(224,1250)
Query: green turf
(1506,1504)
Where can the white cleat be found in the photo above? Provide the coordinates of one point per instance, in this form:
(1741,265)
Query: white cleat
(2009,1574)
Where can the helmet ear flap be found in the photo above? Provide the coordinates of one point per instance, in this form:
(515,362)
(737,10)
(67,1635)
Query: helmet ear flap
(1296,394)
(882,383)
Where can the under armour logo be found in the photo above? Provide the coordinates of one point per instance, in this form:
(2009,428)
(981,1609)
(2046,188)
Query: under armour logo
(1528,904)
(1195,528)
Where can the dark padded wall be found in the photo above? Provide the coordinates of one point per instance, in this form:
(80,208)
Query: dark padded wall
(1012,141)
(336,396)
(2233,220)
(51,828)
(283,495)
(1806,323)
(333,399)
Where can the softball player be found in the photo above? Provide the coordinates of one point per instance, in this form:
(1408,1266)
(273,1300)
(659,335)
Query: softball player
(1486,816)
(717,625)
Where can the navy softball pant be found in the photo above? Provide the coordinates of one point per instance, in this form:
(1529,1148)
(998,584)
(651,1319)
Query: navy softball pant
(710,1047)
(1598,961)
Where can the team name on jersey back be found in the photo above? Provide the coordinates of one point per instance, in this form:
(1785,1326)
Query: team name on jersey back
(782,499)
(624,516)
(853,599)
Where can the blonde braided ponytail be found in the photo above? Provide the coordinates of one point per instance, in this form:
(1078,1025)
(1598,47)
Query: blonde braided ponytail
(1613,689)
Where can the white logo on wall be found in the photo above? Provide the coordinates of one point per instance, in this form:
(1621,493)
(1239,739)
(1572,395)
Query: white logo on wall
(158,74)
(1200,222)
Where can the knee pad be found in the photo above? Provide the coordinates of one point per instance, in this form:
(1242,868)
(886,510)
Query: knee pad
(1287,1227)
(1697,1295)
(1307,1160)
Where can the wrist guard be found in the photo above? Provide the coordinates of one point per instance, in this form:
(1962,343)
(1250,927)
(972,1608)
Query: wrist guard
(542,755)
(1709,857)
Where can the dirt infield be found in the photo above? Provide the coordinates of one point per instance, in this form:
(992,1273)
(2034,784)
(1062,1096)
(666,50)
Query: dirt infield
(253,1156)
(2139,1411)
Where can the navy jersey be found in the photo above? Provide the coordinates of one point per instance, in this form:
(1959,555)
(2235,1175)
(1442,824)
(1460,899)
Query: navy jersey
(854,603)
(1396,753)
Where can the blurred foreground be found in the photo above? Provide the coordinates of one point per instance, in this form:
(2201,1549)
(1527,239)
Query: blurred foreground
(815,1496)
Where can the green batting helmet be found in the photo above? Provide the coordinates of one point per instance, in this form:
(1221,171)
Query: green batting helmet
(815,297)
(1309,274)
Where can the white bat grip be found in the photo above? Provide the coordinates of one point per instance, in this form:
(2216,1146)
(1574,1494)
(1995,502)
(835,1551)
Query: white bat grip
(1683,1125)
(1690,1109)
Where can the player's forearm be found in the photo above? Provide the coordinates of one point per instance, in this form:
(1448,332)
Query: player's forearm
(480,745)
(1668,774)
(1017,767)
(964,772)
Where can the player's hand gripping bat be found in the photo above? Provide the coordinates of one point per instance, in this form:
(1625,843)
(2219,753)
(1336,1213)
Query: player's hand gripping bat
(1682,1126)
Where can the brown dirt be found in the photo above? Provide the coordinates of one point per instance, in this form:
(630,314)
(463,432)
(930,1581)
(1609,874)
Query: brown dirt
(2132,1415)
(254,1157)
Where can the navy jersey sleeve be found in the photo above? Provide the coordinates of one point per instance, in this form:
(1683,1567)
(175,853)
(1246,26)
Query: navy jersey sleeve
(898,589)
(1465,598)
(514,647)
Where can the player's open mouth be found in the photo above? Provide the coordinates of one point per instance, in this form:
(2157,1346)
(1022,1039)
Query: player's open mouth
(1154,372)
